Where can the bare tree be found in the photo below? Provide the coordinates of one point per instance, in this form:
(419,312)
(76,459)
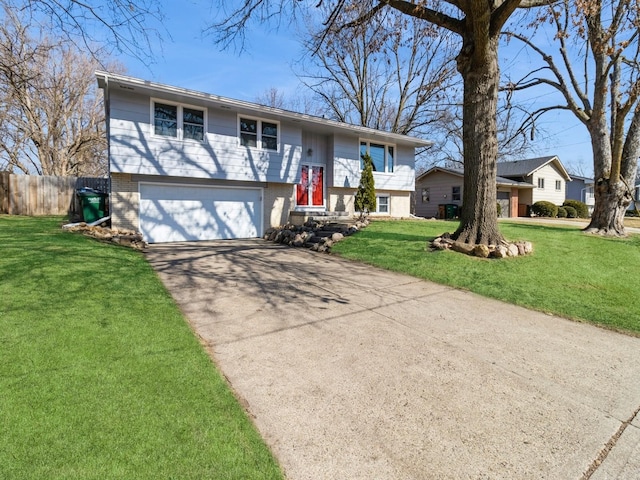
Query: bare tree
(596,70)
(99,26)
(298,102)
(478,25)
(391,73)
(52,120)
(513,141)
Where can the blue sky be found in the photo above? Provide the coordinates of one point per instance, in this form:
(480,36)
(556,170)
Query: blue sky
(192,61)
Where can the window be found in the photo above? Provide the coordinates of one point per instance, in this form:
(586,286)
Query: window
(425,195)
(455,193)
(558,185)
(540,182)
(177,121)
(382,204)
(382,156)
(193,124)
(255,133)
(165,120)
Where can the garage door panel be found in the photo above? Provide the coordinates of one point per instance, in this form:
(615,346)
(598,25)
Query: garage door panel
(170,213)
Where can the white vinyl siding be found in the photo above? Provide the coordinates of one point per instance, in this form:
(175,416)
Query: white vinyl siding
(346,166)
(548,175)
(135,149)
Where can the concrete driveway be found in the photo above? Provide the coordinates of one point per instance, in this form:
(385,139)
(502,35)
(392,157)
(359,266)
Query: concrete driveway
(351,372)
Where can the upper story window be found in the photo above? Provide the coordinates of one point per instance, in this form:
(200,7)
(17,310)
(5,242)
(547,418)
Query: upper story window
(256,133)
(540,182)
(178,121)
(382,155)
(558,185)
(455,193)
(425,195)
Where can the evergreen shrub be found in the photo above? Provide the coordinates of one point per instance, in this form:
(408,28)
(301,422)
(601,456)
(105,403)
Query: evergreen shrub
(544,209)
(562,212)
(581,208)
(571,212)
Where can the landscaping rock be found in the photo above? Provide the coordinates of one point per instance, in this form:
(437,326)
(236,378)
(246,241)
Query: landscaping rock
(444,242)
(315,235)
(127,238)
(481,251)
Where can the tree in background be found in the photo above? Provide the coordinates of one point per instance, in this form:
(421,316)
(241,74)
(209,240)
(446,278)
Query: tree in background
(98,27)
(478,25)
(390,73)
(52,120)
(596,69)
(365,200)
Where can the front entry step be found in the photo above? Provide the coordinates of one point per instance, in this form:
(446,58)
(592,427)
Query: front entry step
(300,218)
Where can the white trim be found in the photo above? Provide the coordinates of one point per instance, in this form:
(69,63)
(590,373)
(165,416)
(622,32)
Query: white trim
(180,120)
(386,146)
(259,122)
(116,81)
(388,197)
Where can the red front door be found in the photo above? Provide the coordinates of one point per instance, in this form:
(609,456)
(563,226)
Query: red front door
(310,190)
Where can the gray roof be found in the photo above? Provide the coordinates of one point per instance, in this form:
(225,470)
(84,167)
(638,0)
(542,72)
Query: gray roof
(524,168)
(320,124)
(501,181)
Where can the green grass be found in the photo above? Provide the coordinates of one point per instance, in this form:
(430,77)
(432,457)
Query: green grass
(100,376)
(570,273)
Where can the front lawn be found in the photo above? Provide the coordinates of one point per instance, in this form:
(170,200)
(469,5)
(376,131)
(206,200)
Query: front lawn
(100,375)
(570,274)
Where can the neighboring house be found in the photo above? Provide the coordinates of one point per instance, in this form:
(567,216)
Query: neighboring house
(188,165)
(440,186)
(518,186)
(636,197)
(581,188)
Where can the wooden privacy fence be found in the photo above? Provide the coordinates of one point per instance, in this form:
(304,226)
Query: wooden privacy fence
(34,195)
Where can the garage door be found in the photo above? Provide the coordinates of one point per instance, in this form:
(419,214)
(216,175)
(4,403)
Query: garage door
(178,213)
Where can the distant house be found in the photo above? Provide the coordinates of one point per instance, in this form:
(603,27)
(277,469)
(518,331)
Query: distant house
(519,185)
(581,188)
(187,165)
(636,197)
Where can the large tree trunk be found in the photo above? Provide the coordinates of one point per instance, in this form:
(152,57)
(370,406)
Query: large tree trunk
(614,177)
(479,217)
(612,200)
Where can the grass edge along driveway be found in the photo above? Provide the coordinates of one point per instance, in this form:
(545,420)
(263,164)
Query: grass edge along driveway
(101,377)
(570,273)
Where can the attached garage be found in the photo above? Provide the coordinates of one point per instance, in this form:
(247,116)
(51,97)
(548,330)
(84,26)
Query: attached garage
(179,213)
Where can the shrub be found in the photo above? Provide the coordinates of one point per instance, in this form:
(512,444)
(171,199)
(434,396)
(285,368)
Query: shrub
(571,212)
(365,200)
(581,208)
(544,209)
(562,212)
(499,207)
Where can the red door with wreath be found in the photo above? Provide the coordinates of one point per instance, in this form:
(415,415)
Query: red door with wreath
(310,190)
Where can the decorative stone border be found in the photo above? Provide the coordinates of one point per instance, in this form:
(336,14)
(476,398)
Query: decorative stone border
(127,238)
(505,249)
(315,235)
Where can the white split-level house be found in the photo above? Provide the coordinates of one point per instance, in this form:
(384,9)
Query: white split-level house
(188,165)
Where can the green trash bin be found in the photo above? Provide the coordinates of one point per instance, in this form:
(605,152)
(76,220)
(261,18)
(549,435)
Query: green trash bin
(451,211)
(93,204)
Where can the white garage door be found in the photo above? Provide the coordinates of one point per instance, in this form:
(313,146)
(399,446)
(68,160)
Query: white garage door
(178,213)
